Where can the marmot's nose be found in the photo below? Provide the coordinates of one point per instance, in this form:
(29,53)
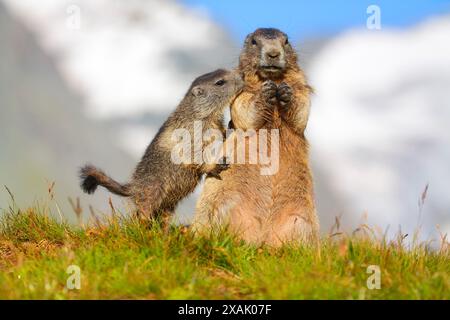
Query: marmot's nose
(273,54)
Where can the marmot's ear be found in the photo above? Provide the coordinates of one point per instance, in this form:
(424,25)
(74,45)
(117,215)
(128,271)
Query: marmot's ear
(197,91)
(247,38)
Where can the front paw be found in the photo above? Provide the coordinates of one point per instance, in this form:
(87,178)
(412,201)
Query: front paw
(284,94)
(222,165)
(269,92)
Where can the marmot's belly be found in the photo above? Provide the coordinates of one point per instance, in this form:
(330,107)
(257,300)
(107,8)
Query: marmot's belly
(260,208)
(264,197)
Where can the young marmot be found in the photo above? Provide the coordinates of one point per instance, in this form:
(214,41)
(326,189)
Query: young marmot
(275,208)
(158,184)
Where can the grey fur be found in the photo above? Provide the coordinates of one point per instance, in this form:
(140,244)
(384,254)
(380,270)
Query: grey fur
(158,184)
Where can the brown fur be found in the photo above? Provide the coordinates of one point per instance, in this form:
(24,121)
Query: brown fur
(277,208)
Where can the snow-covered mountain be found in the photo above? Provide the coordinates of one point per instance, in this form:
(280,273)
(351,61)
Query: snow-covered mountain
(380,125)
(127,56)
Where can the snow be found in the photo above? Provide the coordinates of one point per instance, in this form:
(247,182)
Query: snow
(380,122)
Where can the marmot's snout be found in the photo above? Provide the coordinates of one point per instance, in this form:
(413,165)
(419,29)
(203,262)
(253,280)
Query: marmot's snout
(272,56)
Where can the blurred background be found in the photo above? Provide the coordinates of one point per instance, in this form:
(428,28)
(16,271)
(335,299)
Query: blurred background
(92,81)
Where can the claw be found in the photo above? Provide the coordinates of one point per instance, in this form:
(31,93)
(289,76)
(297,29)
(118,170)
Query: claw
(220,166)
(269,92)
(214,175)
(284,95)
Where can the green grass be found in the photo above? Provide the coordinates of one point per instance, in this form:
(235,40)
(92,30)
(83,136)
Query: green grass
(120,258)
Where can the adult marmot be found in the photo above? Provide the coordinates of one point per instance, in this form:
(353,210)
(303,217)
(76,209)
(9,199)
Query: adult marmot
(158,183)
(279,207)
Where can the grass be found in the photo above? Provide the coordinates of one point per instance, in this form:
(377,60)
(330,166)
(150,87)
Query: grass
(120,258)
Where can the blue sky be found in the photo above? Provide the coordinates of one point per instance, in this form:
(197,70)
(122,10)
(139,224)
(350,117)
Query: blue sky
(303,19)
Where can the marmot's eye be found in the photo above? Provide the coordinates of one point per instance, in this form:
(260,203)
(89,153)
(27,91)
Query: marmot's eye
(286,42)
(254,42)
(220,82)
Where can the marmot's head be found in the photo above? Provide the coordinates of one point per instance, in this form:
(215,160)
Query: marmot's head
(268,54)
(210,93)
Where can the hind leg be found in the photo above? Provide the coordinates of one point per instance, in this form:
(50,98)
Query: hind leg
(293,225)
(153,210)
(148,200)
(160,217)
(163,219)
